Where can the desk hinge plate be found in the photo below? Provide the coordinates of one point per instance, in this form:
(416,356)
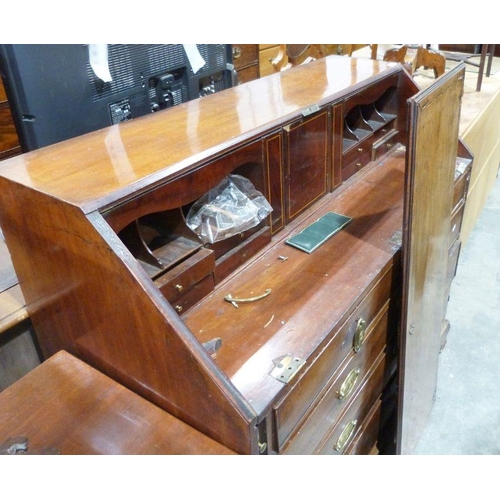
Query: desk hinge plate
(286,367)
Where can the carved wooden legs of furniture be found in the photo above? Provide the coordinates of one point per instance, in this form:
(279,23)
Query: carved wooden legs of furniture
(413,57)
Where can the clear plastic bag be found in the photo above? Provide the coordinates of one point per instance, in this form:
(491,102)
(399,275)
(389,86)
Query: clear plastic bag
(228,209)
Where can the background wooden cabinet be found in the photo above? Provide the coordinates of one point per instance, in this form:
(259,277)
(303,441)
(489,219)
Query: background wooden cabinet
(9,142)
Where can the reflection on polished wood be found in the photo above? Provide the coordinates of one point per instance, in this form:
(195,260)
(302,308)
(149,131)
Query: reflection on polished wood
(68,407)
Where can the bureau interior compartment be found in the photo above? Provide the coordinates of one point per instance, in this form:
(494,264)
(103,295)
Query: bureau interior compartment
(369,117)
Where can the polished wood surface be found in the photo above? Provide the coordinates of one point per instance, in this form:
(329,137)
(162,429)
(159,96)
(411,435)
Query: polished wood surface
(71,408)
(293,318)
(430,176)
(67,211)
(106,166)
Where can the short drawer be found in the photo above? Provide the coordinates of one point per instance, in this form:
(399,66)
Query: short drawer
(238,255)
(344,388)
(346,339)
(383,144)
(348,427)
(176,282)
(359,151)
(356,165)
(194,294)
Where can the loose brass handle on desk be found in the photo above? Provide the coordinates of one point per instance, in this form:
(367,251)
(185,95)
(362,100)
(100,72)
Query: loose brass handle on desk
(348,384)
(345,436)
(235,301)
(359,334)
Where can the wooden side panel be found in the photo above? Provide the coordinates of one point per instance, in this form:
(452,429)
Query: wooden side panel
(86,294)
(431,159)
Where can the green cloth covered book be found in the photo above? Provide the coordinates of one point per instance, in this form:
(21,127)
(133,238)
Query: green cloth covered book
(314,235)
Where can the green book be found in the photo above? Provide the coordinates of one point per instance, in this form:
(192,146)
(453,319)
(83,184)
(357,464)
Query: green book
(314,235)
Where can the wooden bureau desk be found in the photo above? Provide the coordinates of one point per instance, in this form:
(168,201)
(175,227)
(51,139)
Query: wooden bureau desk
(340,353)
(66,406)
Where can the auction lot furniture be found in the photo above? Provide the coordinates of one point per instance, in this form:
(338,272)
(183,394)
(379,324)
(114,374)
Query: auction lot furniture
(265,347)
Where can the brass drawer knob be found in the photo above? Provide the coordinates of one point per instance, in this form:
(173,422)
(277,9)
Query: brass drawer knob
(178,309)
(359,334)
(348,384)
(345,436)
(179,288)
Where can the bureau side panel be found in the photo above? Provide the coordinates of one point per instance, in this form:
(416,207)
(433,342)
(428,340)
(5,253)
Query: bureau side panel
(86,294)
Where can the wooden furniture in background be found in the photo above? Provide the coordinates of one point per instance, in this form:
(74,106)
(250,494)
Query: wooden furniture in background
(246,61)
(309,364)
(9,141)
(486,51)
(414,57)
(66,407)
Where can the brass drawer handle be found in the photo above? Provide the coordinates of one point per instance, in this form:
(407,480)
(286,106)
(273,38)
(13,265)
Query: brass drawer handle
(359,335)
(235,301)
(348,384)
(345,436)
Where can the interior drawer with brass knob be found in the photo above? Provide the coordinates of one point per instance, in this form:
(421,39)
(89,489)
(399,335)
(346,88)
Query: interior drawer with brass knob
(348,338)
(179,280)
(344,388)
(384,143)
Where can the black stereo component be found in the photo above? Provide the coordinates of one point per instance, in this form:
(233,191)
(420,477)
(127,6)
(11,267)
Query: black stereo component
(54,92)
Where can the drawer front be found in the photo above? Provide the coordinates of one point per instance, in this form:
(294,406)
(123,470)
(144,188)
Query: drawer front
(460,188)
(245,54)
(248,74)
(456,221)
(233,259)
(292,407)
(366,439)
(361,150)
(8,133)
(179,280)
(350,423)
(194,294)
(344,388)
(356,165)
(384,143)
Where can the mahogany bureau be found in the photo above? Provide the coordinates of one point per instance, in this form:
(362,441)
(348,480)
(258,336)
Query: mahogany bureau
(261,346)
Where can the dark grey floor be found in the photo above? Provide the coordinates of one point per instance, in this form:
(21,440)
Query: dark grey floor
(465,419)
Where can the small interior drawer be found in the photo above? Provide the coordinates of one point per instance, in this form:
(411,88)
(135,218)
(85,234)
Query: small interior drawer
(383,144)
(185,275)
(356,165)
(194,294)
(360,150)
(292,407)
